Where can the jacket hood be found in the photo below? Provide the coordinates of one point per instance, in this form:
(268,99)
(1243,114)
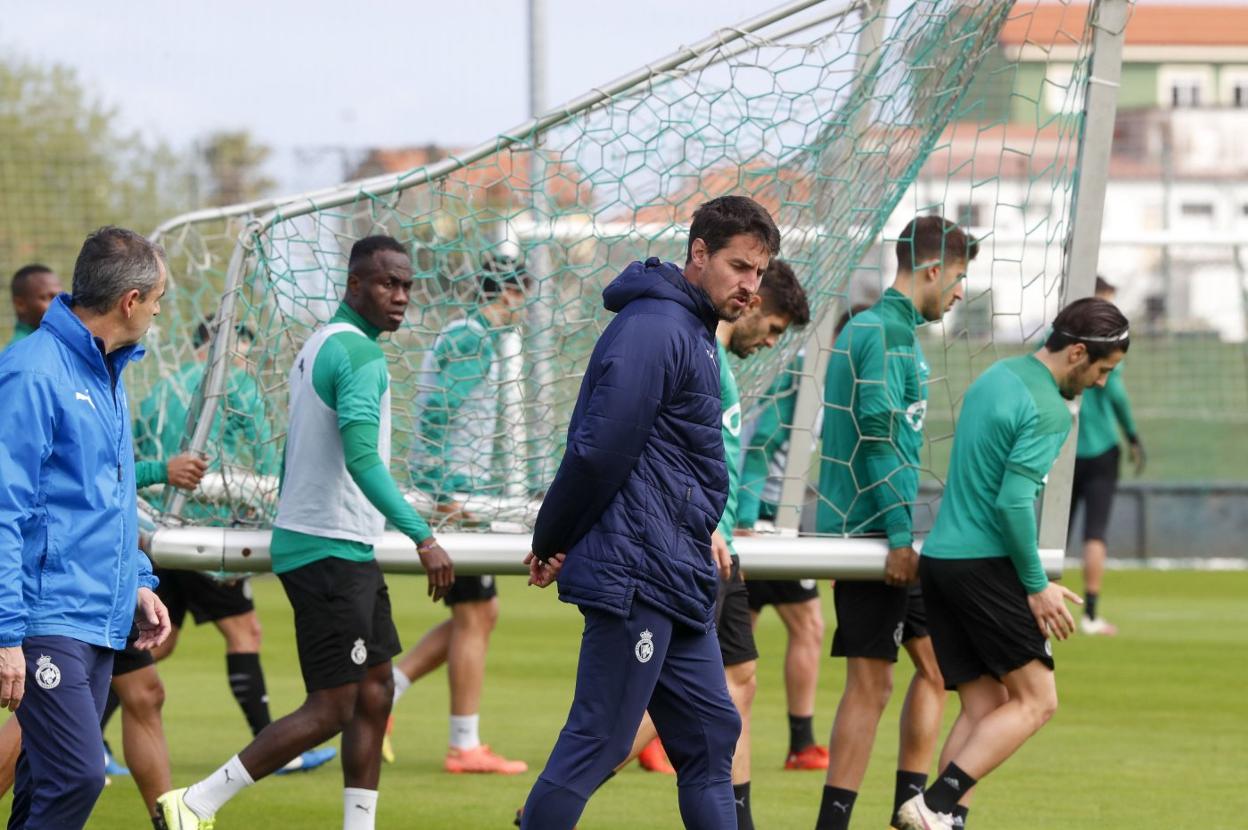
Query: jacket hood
(655,279)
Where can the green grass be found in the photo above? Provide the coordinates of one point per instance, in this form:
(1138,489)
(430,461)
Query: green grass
(1152,731)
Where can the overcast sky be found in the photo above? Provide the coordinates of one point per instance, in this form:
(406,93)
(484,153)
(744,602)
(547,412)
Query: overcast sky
(303,73)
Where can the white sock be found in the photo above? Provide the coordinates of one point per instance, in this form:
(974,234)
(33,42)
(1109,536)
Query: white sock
(207,796)
(359,809)
(464,734)
(401,684)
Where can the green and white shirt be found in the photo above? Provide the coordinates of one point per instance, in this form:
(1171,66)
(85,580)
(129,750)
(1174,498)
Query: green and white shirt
(875,406)
(457,411)
(1012,427)
(730,404)
(337,492)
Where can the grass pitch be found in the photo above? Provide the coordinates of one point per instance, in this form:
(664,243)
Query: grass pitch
(1152,731)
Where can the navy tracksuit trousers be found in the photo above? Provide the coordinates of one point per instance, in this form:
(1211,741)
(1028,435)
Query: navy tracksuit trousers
(629,666)
(61,769)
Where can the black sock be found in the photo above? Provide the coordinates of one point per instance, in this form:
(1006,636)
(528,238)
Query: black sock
(952,784)
(1089,605)
(158,822)
(909,784)
(247,684)
(959,815)
(801,733)
(741,795)
(835,809)
(110,706)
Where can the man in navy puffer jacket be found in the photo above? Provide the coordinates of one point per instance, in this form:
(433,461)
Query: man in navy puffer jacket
(71,573)
(626,525)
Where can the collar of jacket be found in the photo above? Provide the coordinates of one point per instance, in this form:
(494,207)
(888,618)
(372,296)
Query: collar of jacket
(61,322)
(702,305)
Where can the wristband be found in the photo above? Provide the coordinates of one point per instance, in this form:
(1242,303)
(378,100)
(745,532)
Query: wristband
(427,545)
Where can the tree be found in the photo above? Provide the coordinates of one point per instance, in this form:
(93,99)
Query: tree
(234,161)
(67,167)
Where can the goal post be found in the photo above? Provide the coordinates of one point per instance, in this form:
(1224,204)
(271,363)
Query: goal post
(843,119)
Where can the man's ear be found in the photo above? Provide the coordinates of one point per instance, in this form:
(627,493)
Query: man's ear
(1078,351)
(698,252)
(756,301)
(128,301)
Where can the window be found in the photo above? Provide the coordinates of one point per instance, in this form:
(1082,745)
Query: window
(1058,95)
(1186,86)
(1196,210)
(969,215)
(1235,86)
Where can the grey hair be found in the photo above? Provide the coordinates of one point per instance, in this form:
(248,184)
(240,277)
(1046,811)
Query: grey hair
(112,262)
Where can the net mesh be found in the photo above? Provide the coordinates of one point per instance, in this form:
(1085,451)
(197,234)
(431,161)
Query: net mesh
(843,123)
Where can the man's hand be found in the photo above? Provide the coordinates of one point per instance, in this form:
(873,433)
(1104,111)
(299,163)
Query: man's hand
(186,470)
(455,512)
(722,555)
(901,567)
(1138,457)
(1050,611)
(12,677)
(153,620)
(542,573)
(437,564)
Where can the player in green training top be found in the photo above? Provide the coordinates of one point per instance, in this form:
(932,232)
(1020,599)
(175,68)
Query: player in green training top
(1102,413)
(457,421)
(337,496)
(875,404)
(990,606)
(33,289)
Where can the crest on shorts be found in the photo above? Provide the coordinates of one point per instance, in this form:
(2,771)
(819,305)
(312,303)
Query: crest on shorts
(899,633)
(1048,648)
(644,649)
(358,652)
(808,584)
(47,675)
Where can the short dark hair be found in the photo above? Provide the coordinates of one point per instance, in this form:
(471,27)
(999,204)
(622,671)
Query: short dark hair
(203,332)
(499,271)
(1096,323)
(1104,286)
(112,262)
(362,251)
(24,275)
(719,220)
(928,238)
(783,294)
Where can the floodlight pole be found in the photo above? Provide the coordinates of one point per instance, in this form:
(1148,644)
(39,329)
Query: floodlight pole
(1108,19)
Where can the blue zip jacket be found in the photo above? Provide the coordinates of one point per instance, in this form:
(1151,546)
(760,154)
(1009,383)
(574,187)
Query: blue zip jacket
(70,563)
(643,481)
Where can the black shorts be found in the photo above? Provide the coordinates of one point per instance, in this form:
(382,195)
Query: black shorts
(343,625)
(874,619)
(732,619)
(471,589)
(780,591)
(1096,480)
(981,622)
(130,658)
(206,598)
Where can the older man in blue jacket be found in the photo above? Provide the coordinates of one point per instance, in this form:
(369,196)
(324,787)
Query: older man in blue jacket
(626,525)
(71,573)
